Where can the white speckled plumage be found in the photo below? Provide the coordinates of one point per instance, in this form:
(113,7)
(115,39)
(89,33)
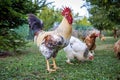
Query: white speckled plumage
(77,48)
(51,49)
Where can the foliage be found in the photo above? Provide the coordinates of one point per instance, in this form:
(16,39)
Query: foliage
(83,22)
(13,13)
(49,17)
(22,30)
(105,13)
(31,66)
(100,20)
(107,32)
(83,28)
(11,41)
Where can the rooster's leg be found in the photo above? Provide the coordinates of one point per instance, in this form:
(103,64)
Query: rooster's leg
(48,66)
(54,64)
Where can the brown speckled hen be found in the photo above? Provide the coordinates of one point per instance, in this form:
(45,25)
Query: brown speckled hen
(90,41)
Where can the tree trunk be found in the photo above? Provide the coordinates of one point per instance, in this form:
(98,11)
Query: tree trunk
(115,33)
(100,34)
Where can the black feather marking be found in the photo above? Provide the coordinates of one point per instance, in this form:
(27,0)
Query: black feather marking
(86,53)
(55,54)
(34,23)
(60,42)
(71,45)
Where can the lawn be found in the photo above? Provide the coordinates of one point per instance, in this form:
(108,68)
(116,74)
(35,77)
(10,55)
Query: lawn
(30,65)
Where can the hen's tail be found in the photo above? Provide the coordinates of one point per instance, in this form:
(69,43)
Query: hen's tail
(35,24)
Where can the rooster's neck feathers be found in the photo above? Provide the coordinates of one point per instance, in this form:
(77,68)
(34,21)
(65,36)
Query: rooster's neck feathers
(65,29)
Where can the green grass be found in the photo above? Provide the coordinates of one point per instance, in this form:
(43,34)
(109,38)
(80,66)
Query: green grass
(30,65)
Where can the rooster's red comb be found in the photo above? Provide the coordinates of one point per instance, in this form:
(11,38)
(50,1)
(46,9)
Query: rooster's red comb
(66,10)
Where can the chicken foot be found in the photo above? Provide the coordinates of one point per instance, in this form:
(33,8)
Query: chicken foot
(48,67)
(54,64)
(68,61)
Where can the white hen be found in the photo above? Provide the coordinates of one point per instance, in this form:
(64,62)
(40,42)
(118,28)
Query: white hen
(77,49)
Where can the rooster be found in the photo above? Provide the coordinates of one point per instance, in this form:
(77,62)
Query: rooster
(90,41)
(77,49)
(50,42)
(117,49)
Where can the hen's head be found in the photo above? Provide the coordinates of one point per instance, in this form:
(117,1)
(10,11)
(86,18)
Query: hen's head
(90,56)
(94,35)
(66,12)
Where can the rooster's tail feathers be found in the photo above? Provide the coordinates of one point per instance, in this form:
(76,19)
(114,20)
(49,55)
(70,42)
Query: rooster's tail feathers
(34,23)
